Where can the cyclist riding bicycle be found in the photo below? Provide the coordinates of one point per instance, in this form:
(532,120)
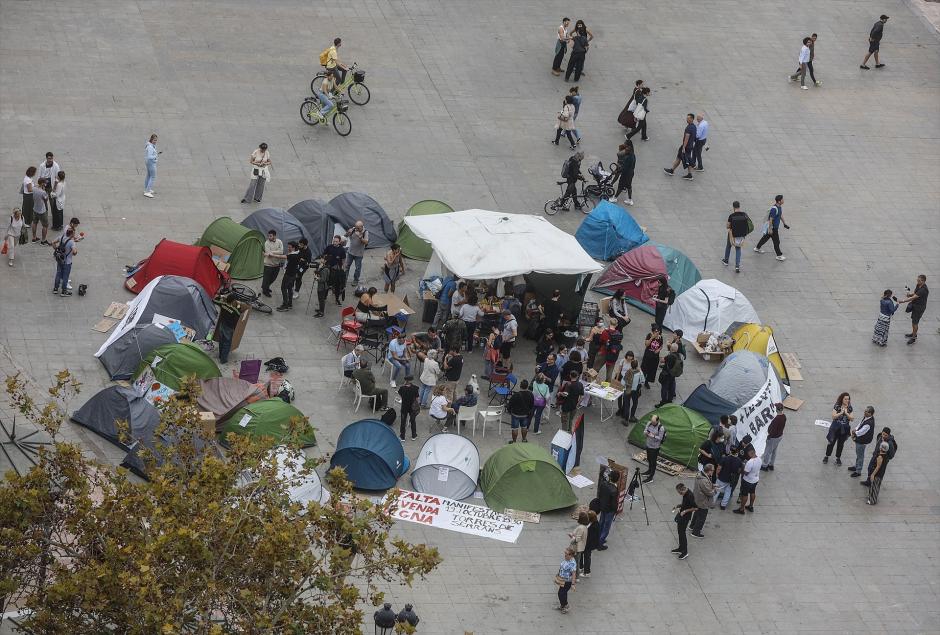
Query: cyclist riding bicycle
(327,86)
(571,172)
(332,61)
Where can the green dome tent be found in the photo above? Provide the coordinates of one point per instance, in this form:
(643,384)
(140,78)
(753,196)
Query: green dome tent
(178,361)
(412,246)
(268,418)
(525,477)
(245,245)
(685,431)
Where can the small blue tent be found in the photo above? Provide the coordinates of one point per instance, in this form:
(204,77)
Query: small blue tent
(609,231)
(371,454)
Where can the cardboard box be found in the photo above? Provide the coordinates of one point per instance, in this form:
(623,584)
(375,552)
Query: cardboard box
(702,338)
(709,355)
(395,304)
(208,421)
(244,310)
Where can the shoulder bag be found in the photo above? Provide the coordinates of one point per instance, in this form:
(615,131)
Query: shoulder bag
(639,113)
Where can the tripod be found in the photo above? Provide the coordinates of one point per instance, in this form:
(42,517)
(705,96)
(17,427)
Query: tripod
(637,482)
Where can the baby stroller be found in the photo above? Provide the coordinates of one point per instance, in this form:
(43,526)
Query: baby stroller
(603,186)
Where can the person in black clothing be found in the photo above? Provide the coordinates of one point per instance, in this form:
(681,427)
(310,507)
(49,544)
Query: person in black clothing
(672,365)
(885,437)
(593,542)
(551,313)
(323,286)
(335,257)
(626,164)
(686,150)
(573,365)
(409,407)
(665,296)
(642,99)
(737,231)
(727,475)
(579,47)
(571,171)
(650,361)
(521,405)
(683,516)
(290,276)
(874,43)
(608,493)
(570,393)
(917,306)
(229,313)
(306,259)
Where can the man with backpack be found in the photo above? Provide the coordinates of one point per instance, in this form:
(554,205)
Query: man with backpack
(772,233)
(672,368)
(329,59)
(571,172)
(63,252)
(738,226)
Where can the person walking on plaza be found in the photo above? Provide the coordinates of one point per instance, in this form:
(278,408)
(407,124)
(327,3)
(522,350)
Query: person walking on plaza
(639,123)
(749,478)
(774,437)
(887,307)
(12,234)
(564,122)
(357,239)
(580,42)
(686,152)
(877,472)
(626,164)
(884,437)
(566,578)
(654,434)
(916,305)
(561,45)
(809,64)
(306,261)
(804,62)
(273,255)
(839,428)
(151,160)
(772,228)
(541,390)
(683,517)
(260,162)
(410,407)
(704,499)
(874,43)
(701,141)
(737,226)
(727,475)
(863,434)
(291,267)
(576,102)
(608,494)
(63,253)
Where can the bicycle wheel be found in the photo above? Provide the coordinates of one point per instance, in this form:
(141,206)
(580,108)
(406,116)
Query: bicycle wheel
(258,305)
(359,94)
(551,208)
(243,293)
(316,81)
(310,112)
(587,204)
(342,124)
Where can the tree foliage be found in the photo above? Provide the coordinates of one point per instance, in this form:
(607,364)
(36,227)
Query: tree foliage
(199,548)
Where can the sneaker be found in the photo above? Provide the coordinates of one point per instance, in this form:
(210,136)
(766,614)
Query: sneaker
(44,242)
(683,556)
(554,143)
(675,551)
(724,262)
(317,315)
(770,467)
(577,141)
(573,147)
(865,483)
(757,250)
(556,73)
(55,292)
(838,461)
(512,440)
(64,293)
(818,83)
(629,201)
(688,177)
(749,508)
(244,200)
(612,199)
(669,171)
(851,469)
(401,438)
(602,548)
(282,308)
(739,511)
(696,535)
(648,479)
(10,263)
(805,87)
(564,609)
(763,468)
(538,432)
(791,78)
(722,507)
(825,459)
(148,194)
(296,295)
(393,384)
(868,501)
(867,68)
(633,419)
(414,438)
(879,65)
(855,474)
(737,269)
(585,575)
(69,285)
(702,169)
(911,340)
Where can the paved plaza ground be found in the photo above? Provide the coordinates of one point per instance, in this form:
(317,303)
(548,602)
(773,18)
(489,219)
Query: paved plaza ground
(462,110)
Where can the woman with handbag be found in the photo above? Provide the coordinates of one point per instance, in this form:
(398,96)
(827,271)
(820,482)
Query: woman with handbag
(840,427)
(540,395)
(640,113)
(626,164)
(260,161)
(564,122)
(13,234)
(566,579)
(888,305)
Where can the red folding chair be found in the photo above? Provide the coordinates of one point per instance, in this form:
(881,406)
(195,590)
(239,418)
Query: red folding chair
(348,319)
(348,336)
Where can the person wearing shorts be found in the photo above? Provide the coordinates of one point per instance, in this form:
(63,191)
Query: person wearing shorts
(918,304)
(521,406)
(685,154)
(40,212)
(749,481)
(874,43)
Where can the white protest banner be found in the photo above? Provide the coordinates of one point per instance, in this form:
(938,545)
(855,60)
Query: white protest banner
(447,513)
(755,416)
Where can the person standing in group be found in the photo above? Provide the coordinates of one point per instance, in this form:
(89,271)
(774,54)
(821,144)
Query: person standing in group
(650,362)
(877,472)
(887,307)
(357,239)
(863,434)
(306,260)
(64,251)
(561,45)
(840,427)
(664,298)
(49,171)
(772,228)
(260,162)
(671,369)
(564,122)
(633,381)
(273,255)
(749,479)
(291,267)
(566,578)
(626,164)
(335,256)
(12,235)
(804,62)
(521,406)
(917,304)
(874,43)
(576,102)
(704,499)
(642,99)
(608,493)
(430,375)
(471,314)
(323,287)
(570,393)
(686,152)
(508,336)
(540,395)
(884,437)
(57,201)
(809,64)
(774,437)
(40,212)
(393,267)
(737,226)
(701,141)
(683,517)
(654,434)
(410,407)
(27,191)
(579,538)
(594,341)
(727,475)
(151,160)
(592,543)
(580,42)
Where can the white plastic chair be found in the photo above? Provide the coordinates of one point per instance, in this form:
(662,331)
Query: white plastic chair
(466,413)
(358,396)
(345,381)
(490,414)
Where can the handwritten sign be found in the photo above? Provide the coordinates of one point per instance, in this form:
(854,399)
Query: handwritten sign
(755,416)
(453,515)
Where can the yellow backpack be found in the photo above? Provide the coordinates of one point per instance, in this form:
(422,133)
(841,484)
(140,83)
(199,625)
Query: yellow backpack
(325,56)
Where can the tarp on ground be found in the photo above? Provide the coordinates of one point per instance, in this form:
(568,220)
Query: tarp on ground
(101,413)
(478,244)
(608,231)
(371,455)
(125,353)
(448,465)
(759,338)
(222,396)
(685,432)
(317,218)
(176,259)
(638,271)
(412,246)
(245,247)
(353,206)
(176,362)
(288,228)
(269,418)
(525,477)
(710,305)
(173,297)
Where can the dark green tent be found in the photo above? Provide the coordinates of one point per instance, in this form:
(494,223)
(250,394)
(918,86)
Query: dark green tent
(178,361)
(525,477)
(245,245)
(268,418)
(412,246)
(685,431)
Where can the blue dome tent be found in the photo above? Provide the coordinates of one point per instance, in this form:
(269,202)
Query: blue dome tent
(609,231)
(371,454)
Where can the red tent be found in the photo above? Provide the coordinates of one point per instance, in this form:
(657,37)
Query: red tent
(176,259)
(638,271)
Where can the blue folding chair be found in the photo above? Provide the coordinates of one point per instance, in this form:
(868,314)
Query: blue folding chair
(503,391)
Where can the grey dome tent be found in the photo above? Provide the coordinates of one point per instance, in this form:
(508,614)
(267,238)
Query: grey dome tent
(448,465)
(301,489)
(287,227)
(169,437)
(125,353)
(101,413)
(317,218)
(740,376)
(353,206)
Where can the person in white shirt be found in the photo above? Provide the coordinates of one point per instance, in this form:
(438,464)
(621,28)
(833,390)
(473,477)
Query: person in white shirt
(701,141)
(49,170)
(430,374)
(12,233)
(350,360)
(561,46)
(749,482)
(57,201)
(804,60)
(151,158)
(260,161)
(440,408)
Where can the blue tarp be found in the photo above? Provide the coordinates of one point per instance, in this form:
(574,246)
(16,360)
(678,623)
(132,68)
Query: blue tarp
(609,231)
(371,454)
(708,404)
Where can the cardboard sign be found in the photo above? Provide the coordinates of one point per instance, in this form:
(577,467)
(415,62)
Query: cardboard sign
(755,416)
(453,515)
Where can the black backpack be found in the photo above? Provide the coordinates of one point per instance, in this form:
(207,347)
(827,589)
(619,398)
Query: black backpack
(566,167)
(61,253)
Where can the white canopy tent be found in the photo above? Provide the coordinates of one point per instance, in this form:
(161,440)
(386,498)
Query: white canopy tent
(711,305)
(477,244)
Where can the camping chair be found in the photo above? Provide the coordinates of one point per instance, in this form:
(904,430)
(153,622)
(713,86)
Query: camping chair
(358,396)
(466,413)
(249,370)
(496,379)
(502,392)
(490,414)
(373,346)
